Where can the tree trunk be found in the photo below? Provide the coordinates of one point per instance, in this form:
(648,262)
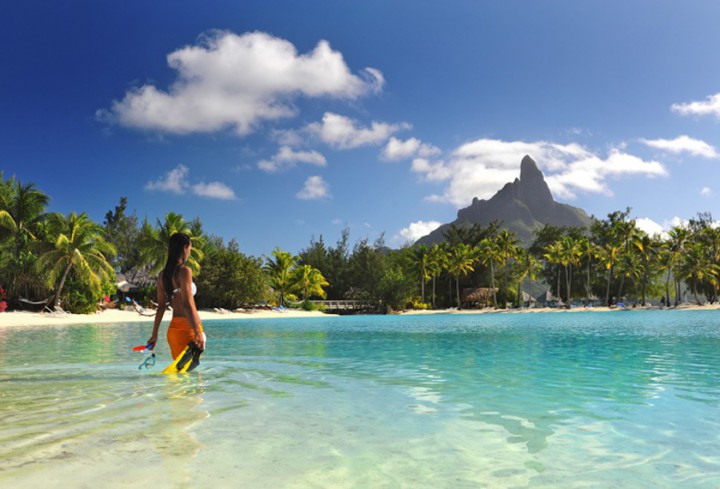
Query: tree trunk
(422,287)
(62,284)
(568,271)
(433,293)
(558,285)
(667,289)
(607,291)
(644,283)
(492,282)
(457,289)
(587,285)
(520,302)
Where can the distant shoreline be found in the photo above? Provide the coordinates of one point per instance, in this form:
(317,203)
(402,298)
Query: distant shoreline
(490,310)
(14,319)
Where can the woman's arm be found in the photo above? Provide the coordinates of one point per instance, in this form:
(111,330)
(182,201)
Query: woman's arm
(188,304)
(162,304)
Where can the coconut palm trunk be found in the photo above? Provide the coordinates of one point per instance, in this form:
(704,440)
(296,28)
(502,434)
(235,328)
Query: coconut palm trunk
(568,272)
(56,301)
(492,282)
(607,290)
(558,284)
(457,289)
(622,284)
(587,285)
(433,292)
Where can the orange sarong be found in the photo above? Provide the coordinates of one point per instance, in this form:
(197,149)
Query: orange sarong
(179,334)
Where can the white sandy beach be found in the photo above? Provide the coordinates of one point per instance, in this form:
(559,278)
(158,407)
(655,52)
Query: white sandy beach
(25,318)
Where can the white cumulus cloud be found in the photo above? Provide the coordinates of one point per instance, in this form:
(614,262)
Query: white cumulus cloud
(397,149)
(683,144)
(287,158)
(651,227)
(176,181)
(480,168)
(706,192)
(315,188)
(237,81)
(345,133)
(214,190)
(709,106)
(418,229)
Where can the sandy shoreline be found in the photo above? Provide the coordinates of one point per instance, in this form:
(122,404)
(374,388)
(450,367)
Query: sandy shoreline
(26,318)
(556,310)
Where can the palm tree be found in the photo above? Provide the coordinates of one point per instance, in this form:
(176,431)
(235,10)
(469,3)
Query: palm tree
(676,243)
(21,211)
(527,266)
(421,256)
(489,253)
(280,270)
(310,282)
(22,220)
(648,248)
(437,260)
(507,243)
(696,267)
(77,243)
(713,237)
(460,262)
(630,266)
(608,255)
(588,250)
(554,254)
(570,254)
(665,259)
(153,242)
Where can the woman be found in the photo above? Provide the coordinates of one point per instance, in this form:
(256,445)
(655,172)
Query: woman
(176,288)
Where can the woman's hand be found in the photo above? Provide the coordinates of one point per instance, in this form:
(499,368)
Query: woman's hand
(200,340)
(152,341)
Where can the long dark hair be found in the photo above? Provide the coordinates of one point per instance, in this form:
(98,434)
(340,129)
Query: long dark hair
(176,246)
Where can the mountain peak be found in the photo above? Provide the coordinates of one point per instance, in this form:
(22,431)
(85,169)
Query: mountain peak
(522,205)
(529,169)
(532,189)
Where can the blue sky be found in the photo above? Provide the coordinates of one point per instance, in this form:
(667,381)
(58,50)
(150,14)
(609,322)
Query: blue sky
(277,121)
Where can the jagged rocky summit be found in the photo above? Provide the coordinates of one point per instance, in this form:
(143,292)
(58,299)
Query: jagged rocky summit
(520,206)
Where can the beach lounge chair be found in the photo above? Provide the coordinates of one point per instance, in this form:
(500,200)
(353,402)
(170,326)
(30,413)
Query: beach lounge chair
(141,310)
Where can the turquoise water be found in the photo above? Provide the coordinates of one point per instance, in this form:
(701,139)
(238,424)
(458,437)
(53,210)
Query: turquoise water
(618,399)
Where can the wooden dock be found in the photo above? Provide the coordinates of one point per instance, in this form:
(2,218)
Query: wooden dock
(346,306)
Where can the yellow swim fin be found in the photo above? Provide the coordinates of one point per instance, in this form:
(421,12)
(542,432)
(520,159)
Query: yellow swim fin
(187,361)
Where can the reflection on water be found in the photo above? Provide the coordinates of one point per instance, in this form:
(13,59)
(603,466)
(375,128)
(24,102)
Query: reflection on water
(570,400)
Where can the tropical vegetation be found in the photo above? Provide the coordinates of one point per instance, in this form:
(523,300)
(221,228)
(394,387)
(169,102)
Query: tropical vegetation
(70,261)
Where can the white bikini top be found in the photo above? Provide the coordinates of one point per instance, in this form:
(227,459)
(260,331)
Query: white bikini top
(193,288)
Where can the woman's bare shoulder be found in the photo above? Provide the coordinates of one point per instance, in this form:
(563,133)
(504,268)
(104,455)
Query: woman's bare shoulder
(184,273)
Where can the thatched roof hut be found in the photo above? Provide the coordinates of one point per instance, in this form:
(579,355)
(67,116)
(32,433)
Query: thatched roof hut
(480,295)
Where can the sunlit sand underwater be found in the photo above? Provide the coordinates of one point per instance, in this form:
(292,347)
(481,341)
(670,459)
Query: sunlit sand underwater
(619,399)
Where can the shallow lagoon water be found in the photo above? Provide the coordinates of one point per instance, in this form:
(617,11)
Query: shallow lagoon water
(617,399)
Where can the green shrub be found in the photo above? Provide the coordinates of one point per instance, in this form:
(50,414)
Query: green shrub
(419,305)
